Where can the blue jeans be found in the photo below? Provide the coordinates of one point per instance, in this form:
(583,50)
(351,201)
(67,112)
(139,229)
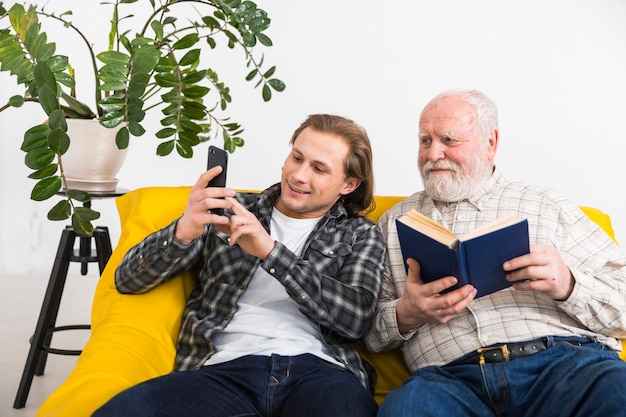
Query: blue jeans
(286,386)
(564,380)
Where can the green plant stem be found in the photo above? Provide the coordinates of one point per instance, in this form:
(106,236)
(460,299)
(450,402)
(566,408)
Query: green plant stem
(168,5)
(92,55)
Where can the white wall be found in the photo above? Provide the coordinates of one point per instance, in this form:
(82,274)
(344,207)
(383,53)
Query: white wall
(556,69)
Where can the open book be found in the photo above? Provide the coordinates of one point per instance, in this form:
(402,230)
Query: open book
(474,258)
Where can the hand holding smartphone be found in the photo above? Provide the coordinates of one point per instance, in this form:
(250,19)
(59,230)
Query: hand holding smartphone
(217,157)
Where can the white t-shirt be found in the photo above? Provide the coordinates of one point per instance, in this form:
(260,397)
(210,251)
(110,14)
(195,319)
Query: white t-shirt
(268,320)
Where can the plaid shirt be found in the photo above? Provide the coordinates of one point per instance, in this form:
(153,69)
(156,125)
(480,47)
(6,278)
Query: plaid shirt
(336,281)
(594,309)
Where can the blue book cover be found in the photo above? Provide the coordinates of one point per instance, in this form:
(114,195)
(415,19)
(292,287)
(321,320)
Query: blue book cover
(475,258)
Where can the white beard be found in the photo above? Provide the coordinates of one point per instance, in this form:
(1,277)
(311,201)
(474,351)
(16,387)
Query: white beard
(449,187)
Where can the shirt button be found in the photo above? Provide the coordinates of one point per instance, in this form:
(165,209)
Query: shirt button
(272,270)
(331,252)
(303,297)
(165,243)
(459,218)
(485,339)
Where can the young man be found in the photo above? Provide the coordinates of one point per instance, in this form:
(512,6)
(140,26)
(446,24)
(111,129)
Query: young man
(287,280)
(545,347)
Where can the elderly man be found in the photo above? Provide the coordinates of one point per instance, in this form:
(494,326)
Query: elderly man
(545,346)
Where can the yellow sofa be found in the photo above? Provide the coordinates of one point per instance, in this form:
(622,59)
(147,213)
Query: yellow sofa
(133,337)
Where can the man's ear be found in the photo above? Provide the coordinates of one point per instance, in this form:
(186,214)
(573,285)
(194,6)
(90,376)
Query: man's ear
(350,185)
(492,146)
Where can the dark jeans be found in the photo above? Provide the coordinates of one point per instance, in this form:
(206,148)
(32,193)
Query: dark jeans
(564,380)
(286,386)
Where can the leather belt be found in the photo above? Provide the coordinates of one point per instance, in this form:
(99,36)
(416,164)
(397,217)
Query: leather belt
(502,353)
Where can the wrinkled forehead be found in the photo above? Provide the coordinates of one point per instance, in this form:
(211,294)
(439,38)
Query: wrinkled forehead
(447,114)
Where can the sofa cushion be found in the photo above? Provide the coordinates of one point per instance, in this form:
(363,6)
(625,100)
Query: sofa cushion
(133,337)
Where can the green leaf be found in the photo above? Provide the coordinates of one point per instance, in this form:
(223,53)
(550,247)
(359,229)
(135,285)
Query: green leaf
(122,138)
(267,93)
(188,137)
(186,41)
(112,107)
(210,22)
(61,210)
(39,158)
(184,149)
(57,63)
(165,133)
(111,120)
(64,79)
(237,141)
(81,219)
(166,80)
(57,120)
(252,74)
(113,57)
(79,195)
(277,84)
(165,64)
(269,72)
(169,120)
(192,112)
(194,77)
(191,57)
(165,148)
(196,91)
(16,101)
(45,77)
(190,126)
(78,107)
(58,141)
(113,85)
(136,129)
(232,39)
(48,99)
(44,172)
(157,27)
(36,137)
(46,188)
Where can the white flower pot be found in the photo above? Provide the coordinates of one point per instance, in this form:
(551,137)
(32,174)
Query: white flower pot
(93,160)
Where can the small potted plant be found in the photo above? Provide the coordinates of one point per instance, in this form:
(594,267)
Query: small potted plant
(149,65)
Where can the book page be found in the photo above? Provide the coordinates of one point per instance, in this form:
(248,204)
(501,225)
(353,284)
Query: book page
(499,223)
(428,226)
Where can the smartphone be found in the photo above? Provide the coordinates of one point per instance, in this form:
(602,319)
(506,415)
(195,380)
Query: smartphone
(217,157)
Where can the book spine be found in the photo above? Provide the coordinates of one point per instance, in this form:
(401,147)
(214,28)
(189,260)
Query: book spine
(460,265)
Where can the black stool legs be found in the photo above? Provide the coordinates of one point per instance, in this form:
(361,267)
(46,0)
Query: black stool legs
(40,342)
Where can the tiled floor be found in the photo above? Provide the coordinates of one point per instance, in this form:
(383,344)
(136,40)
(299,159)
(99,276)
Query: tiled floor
(20,302)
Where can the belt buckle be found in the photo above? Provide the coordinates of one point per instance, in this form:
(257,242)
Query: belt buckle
(481,353)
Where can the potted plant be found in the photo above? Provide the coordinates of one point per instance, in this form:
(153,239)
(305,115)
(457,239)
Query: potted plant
(150,64)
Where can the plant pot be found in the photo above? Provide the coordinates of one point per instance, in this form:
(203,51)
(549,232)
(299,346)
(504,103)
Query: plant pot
(93,159)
